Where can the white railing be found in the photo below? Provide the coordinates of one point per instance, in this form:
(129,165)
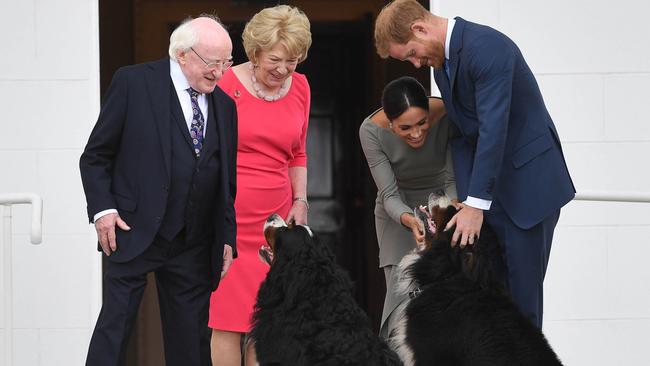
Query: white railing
(612,196)
(7,200)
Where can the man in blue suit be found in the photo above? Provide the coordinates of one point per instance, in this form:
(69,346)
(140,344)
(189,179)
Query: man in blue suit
(159,176)
(509,166)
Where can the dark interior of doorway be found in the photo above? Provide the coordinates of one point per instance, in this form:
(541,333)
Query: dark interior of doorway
(346,78)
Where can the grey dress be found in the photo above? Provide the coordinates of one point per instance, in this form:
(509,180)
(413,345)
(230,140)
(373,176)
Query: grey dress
(404,177)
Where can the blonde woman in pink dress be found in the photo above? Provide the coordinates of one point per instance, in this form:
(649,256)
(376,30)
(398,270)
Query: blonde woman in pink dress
(273,110)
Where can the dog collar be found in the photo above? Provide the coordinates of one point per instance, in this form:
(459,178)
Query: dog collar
(418,290)
(415,293)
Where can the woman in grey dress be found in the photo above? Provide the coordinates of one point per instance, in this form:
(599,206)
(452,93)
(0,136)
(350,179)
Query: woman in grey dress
(405,144)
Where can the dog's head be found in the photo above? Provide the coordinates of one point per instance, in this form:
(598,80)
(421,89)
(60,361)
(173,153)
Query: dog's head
(273,227)
(472,260)
(302,272)
(434,218)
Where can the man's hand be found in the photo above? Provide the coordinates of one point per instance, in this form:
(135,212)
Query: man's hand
(457,204)
(105,227)
(227,259)
(468,223)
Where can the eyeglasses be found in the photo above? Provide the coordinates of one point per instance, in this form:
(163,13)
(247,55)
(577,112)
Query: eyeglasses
(219,64)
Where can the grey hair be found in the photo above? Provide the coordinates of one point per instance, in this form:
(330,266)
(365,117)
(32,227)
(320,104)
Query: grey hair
(184,36)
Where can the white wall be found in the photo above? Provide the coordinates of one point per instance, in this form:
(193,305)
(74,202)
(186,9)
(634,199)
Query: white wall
(591,58)
(49,98)
(592,61)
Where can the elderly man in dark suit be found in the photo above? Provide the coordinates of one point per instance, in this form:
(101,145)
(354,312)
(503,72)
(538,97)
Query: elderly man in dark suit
(159,176)
(509,165)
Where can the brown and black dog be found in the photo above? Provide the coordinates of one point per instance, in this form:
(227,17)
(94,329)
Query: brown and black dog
(305,313)
(458,312)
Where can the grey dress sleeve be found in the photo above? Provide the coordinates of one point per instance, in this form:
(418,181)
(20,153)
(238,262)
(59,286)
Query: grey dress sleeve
(382,172)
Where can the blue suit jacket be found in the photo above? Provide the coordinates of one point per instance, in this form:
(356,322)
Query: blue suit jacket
(507,149)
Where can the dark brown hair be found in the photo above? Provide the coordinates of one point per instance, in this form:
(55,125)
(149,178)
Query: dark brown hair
(401,94)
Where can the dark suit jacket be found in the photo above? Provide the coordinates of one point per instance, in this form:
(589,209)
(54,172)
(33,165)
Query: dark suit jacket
(127,162)
(508,149)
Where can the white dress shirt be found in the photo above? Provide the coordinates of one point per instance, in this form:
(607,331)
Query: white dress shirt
(181,85)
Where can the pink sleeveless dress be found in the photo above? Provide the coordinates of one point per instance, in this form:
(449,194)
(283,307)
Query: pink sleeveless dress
(272,138)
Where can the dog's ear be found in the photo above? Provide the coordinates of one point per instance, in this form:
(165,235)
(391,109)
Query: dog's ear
(269,235)
(469,263)
(475,265)
(272,224)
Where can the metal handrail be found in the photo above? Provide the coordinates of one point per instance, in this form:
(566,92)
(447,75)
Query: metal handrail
(36,235)
(9,199)
(613,196)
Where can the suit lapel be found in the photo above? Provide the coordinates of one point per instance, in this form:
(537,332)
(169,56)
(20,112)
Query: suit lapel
(159,83)
(447,84)
(211,134)
(442,81)
(219,126)
(455,46)
(443,84)
(179,118)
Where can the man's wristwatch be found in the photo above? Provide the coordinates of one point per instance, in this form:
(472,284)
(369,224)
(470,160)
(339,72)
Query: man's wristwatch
(303,200)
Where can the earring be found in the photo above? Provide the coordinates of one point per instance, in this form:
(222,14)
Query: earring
(390,125)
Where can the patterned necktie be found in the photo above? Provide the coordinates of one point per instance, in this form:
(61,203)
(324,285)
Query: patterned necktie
(196,129)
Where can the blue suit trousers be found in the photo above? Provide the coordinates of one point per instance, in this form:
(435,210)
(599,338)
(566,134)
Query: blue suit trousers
(526,254)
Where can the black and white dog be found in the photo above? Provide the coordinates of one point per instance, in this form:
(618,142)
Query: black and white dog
(458,312)
(305,313)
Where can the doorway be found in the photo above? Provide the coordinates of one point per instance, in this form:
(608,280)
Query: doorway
(346,78)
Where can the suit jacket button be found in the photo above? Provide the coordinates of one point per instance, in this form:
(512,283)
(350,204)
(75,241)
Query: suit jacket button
(157,218)
(165,188)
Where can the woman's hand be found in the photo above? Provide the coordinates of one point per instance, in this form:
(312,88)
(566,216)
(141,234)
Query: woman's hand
(298,213)
(300,206)
(416,227)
